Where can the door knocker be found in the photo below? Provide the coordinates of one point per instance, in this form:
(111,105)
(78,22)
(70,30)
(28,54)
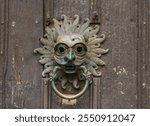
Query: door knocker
(71,54)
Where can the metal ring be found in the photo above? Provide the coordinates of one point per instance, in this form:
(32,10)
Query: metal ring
(73,96)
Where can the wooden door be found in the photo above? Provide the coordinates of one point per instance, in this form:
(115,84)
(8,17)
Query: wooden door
(125,81)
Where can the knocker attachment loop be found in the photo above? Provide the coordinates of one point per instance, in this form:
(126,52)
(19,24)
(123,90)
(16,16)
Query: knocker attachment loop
(75,96)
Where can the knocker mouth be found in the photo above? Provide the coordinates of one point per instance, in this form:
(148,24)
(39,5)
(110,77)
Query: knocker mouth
(70,68)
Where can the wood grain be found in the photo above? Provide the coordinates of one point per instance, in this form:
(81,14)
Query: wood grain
(95,18)
(119,81)
(143,66)
(48,11)
(23,77)
(4,30)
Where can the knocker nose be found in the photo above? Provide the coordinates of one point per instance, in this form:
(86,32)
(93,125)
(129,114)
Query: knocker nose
(70,56)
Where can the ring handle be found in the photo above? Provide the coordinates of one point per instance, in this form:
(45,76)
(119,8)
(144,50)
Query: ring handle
(87,82)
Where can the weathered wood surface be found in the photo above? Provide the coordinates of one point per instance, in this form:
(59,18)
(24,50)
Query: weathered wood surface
(125,81)
(22,77)
(3,49)
(143,65)
(119,81)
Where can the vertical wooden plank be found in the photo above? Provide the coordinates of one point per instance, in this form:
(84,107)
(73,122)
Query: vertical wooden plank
(143,54)
(96,93)
(71,7)
(95,11)
(1,57)
(119,82)
(48,10)
(3,49)
(23,77)
(95,15)
(48,15)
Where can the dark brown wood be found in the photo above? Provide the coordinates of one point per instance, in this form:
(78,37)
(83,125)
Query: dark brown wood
(23,75)
(3,49)
(143,66)
(119,80)
(96,95)
(49,9)
(71,7)
(95,11)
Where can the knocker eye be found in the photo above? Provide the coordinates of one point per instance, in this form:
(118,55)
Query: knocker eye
(60,49)
(80,49)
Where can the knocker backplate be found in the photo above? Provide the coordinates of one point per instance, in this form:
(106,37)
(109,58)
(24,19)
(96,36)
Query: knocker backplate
(71,55)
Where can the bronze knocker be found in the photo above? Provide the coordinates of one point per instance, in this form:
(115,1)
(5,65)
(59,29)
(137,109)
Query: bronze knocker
(71,53)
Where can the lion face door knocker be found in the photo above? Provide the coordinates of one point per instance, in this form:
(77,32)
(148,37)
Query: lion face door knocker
(71,54)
